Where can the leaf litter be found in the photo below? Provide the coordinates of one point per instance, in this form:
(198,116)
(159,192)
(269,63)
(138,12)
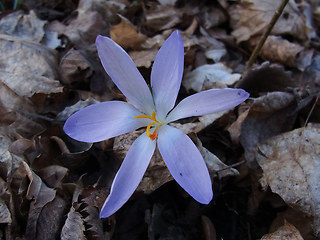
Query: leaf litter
(262,156)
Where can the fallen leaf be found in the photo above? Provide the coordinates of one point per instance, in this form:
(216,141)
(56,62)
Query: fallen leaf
(286,232)
(250,17)
(21,77)
(5,215)
(73,227)
(75,67)
(209,76)
(268,116)
(143,58)
(126,34)
(277,49)
(291,167)
(26,26)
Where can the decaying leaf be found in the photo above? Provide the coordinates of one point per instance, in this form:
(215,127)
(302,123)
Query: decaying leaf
(143,58)
(21,77)
(209,76)
(75,67)
(24,26)
(291,167)
(286,232)
(277,49)
(250,17)
(268,116)
(73,227)
(126,34)
(5,215)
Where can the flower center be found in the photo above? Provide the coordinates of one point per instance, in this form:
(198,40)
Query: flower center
(155,123)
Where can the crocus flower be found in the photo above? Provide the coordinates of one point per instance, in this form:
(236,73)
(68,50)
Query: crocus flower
(153,110)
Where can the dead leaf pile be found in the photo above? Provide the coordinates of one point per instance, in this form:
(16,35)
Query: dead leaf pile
(262,156)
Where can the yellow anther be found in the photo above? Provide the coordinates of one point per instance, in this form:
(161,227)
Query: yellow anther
(153,135)
(153,117)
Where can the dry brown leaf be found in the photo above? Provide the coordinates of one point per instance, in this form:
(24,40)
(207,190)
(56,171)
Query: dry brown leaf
(73,227)
(301,221)
(5,215)
(8,162)
(53,175)
(286,232)
(37,190)
(143,58)
(75,67)
(250,17)
(50,219)
(277,49)
(21,77)
(209,76)
(82,30)
(291,167)
(268,116)
(267,78)
(126,34)
(159,18)
(24,26)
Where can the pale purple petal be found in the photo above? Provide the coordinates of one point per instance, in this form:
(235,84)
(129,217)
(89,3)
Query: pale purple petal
(129,175)
(207,102)
(185,163)
(104,120)
(124,74)
(167,73)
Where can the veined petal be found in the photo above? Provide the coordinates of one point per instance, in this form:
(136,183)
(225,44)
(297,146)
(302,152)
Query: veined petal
(104,120)
(207,102)
(124,74)
(167,73)
(129,175)
(185,163)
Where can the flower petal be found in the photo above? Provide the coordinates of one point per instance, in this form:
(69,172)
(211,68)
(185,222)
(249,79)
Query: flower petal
(167,73)
(124,74)
(185,163)
(129,175)
(104,120)
(207,102)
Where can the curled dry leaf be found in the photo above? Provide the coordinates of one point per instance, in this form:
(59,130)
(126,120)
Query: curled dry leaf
(53,175)
(21,77)
(73,227)
(209,76)
(291,167)
(250,17)
(286,232)
(126,34)
(24,26)
(268,116)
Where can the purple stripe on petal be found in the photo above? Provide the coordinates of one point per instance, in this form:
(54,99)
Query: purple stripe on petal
(185,163)
(129,175)
(104,120)
(207,102)
(124,74)
(167,73)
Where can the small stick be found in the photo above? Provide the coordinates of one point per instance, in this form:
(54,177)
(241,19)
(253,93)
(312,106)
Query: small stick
(266,33)
(312,108)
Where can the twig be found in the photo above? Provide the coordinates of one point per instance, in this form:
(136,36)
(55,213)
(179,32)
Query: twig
(312,108)
(266,33)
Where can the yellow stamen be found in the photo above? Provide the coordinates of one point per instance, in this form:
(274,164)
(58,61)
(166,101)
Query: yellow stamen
(153,135)
(153,117)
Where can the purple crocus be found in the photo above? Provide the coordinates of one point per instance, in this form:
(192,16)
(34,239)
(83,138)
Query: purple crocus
(153,110)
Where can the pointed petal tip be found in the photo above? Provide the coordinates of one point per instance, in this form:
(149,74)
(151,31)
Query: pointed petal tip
(243,94)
